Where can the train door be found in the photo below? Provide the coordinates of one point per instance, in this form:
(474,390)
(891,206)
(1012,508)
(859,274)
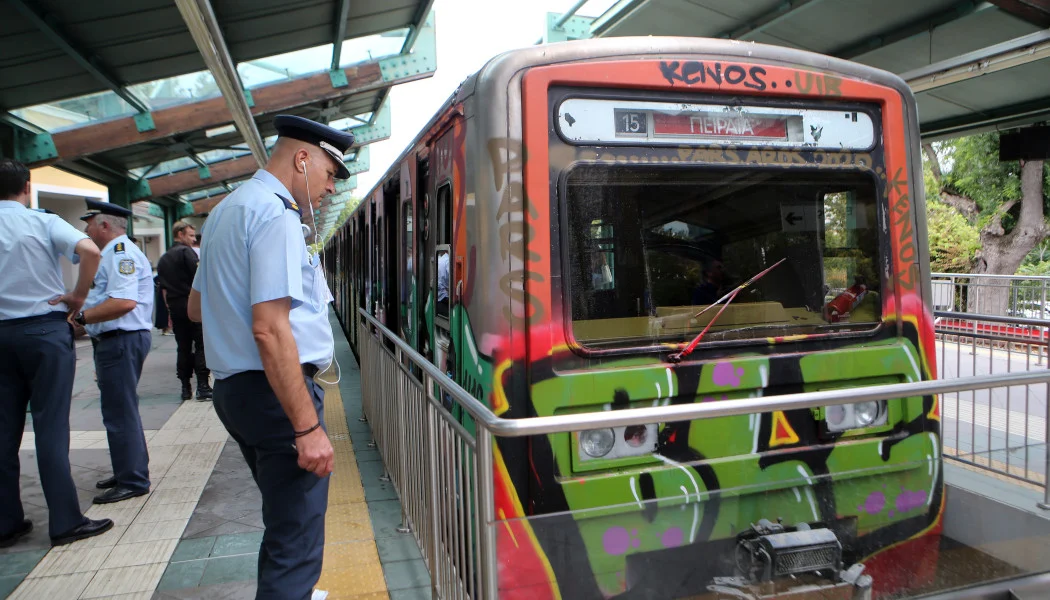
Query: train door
(422,241)
(406,255)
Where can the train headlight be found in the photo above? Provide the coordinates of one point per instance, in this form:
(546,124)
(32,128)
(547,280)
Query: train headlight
(636,435)
(618,442)
(844,417)
(596,443)
(866,413)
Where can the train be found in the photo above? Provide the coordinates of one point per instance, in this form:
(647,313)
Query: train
(620,223)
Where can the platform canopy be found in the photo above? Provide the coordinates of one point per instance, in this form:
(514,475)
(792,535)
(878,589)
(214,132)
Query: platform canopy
(973,65)
(172,101)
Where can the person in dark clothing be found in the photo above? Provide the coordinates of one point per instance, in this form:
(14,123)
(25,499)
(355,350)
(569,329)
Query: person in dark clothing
(176,270)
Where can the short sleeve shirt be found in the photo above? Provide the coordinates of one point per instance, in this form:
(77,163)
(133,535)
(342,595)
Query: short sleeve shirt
(255,252)
(31,243)
(124,273)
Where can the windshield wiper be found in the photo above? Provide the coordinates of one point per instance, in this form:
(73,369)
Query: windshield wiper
(728,298)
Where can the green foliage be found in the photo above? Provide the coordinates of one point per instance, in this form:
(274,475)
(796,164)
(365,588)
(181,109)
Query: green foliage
(977,173)
(953,240)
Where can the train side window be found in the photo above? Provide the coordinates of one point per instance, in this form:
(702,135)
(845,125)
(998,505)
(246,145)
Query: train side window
(408,276)
(442,251)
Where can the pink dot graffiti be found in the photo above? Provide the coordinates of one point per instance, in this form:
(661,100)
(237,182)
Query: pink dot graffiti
(672,538)
(616,541)
(727,375)
(873,505)
(910,500)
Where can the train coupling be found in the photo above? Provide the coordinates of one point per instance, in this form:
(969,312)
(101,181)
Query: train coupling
(796,563)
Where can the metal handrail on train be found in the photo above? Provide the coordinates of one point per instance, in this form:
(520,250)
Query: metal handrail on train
(439,529)
(701,410)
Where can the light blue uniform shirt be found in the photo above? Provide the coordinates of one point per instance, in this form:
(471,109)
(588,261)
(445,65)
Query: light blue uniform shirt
(124,272)
(30,273)
(254,251)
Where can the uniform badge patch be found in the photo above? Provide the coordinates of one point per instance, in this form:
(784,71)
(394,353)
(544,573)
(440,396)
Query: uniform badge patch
(126,267)
(119,249)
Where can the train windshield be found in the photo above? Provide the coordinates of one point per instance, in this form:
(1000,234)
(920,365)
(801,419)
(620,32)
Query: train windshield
(649,247)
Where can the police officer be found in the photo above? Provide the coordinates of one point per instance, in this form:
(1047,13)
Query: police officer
(117,316)
(264,303)
(37,356)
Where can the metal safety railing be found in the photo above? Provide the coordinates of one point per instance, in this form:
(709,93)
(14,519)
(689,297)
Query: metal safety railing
(1004,430)
(443,471)
(989,294)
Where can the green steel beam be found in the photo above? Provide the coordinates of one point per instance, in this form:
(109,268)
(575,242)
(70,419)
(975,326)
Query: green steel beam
(360,162)
(184,209)
(49,26)
(421,59)
(345,185)
(573,28)
(378,129)
(169,221)
(342,11)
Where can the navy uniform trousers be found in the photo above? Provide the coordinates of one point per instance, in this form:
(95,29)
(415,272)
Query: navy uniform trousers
(118,365)
(37,365)
(294,500)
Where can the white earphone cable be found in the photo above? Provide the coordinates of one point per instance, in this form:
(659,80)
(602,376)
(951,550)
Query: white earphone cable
(321,266)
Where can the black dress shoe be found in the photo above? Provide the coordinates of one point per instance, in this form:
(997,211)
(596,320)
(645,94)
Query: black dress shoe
(89,529)
(187,389)
(105,484)
(117,494)
(9,539)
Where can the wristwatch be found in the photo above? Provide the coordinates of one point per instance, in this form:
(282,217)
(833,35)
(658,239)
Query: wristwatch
(80,318)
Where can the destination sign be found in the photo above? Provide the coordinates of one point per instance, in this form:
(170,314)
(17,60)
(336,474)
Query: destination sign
(722,125)
(629,122)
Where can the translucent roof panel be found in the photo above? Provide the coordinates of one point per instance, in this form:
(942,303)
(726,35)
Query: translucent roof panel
(177,90)
(75,112)
(285,66)
(348,122)
(372,47)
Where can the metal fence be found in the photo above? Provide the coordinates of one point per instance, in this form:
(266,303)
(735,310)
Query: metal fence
(1004,430)
(1002,295)
(443,472)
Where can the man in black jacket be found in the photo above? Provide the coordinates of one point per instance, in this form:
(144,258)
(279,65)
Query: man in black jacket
(175,270)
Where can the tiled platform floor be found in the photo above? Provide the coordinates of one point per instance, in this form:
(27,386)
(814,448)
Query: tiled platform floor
(197,534)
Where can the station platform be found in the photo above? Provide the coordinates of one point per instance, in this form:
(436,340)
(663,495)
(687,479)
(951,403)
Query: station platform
(197,534)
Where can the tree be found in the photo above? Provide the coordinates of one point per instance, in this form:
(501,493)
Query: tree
(1004,200)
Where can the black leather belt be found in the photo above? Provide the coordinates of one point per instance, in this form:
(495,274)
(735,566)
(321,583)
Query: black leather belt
(109,334)
(310,369)
(51,316)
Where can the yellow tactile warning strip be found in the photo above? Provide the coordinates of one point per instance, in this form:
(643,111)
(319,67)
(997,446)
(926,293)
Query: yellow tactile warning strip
(351,559)
(128,561)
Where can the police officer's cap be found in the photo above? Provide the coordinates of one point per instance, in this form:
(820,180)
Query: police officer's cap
(104,208)
(336,143)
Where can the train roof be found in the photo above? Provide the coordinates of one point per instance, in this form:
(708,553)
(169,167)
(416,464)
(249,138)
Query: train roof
(501,68)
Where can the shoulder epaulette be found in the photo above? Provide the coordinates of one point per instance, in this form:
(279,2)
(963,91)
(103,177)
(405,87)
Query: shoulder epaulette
(290,204)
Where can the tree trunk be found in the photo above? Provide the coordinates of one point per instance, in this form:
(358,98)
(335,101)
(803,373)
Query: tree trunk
(1002,252)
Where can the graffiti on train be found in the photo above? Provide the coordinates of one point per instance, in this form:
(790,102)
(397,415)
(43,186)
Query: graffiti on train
(515,232)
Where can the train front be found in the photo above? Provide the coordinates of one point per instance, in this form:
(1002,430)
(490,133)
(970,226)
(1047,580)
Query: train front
(700,228)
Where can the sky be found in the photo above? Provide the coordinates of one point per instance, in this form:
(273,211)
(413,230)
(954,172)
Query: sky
(469,32)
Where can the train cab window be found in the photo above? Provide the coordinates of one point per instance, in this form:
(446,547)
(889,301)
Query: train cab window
(649,247)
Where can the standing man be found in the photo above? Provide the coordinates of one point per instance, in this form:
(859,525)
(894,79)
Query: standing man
(37,356)
(117,317)
(264,303)
(176,270)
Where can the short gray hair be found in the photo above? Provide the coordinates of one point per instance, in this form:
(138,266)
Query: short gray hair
(114,221)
